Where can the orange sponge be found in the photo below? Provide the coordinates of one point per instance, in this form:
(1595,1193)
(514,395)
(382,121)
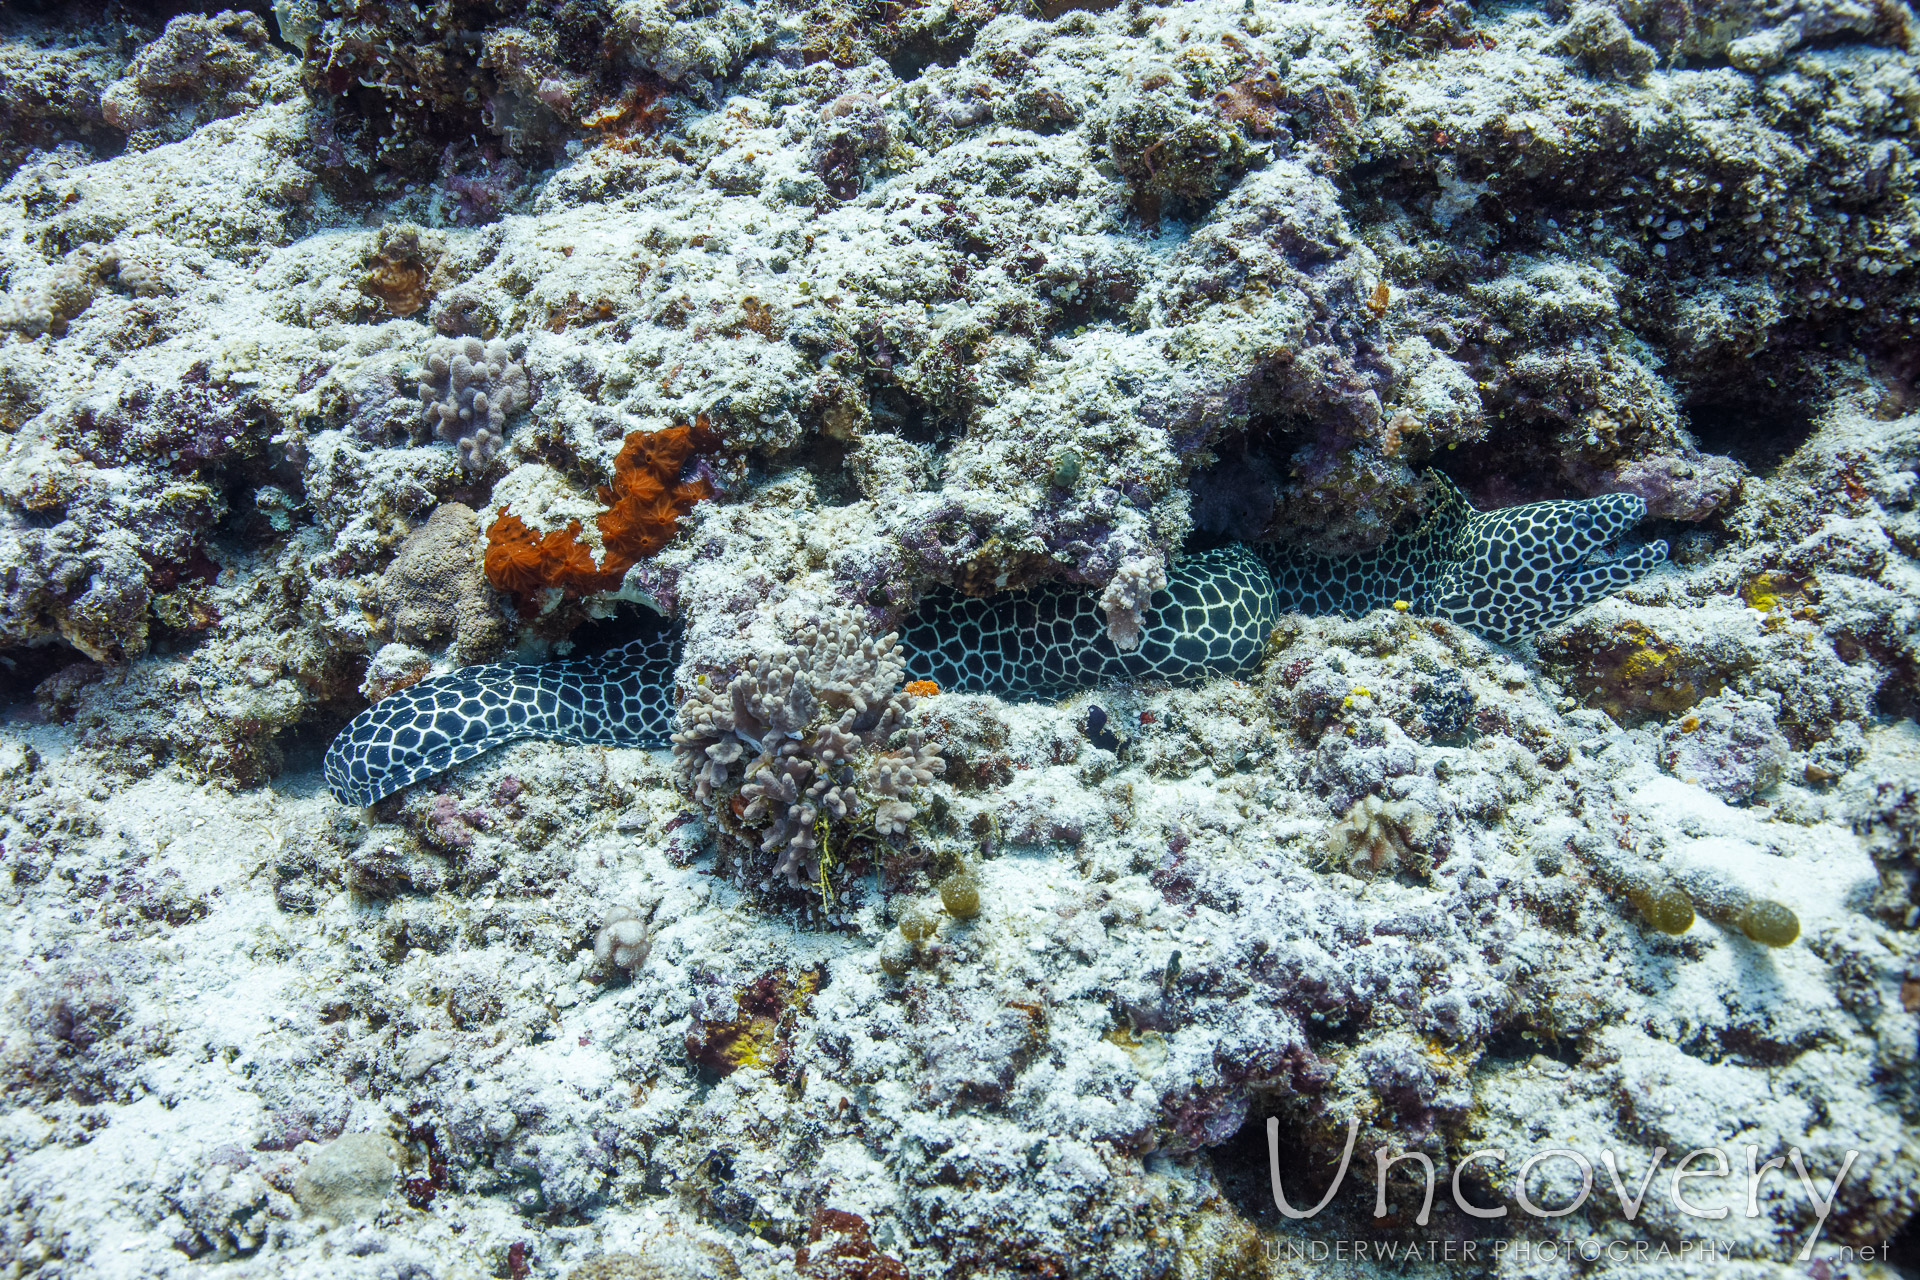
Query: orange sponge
(644,506)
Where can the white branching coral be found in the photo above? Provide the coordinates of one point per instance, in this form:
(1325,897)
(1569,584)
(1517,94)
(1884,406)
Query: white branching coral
(467,392)
(824,731)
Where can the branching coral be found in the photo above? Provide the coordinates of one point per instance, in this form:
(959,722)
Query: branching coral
(818,720)
(1378,835)
(644,506)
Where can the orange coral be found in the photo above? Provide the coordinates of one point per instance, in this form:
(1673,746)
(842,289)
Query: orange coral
(644,506)
(922,688)
(647,499)
(523,563)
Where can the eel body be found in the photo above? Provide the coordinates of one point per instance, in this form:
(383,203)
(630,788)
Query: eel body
(1504,574)
(619,698)
(1212,618)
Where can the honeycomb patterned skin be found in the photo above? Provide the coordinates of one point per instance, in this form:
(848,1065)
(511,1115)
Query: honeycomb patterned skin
(1504,574)
(621,698)
(1212,618)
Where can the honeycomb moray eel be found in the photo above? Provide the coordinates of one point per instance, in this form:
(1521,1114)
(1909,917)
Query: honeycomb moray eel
(621,698)
(1504,574)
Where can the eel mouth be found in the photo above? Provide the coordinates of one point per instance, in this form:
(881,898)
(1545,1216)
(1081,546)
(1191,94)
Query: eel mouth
(1610,552)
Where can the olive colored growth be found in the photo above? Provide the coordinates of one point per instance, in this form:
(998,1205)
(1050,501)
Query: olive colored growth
(916,926)
(1066,470)
(895,959)
(1666,907)
(1769,923)
(960,895)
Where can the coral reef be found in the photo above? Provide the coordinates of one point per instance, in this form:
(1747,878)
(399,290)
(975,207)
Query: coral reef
(979,297)
(1378,835)
(52,76)
(202,68)
(1888,816)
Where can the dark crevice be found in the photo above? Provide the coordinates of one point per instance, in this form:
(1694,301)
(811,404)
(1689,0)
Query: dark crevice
(303,744)
(1757,435)
(899,412)
(911,59)
(1521,1044)
(1051,9)
(1307,1158)
(825,458)
(23,670)
(1903,1248)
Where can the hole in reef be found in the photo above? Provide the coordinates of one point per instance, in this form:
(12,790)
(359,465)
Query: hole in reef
(1051,9)
(826,459)
(1240,1164)
(1307,1161)
(1235,497)
(22,670)
(1102,302)
(303,744)
(897,411)
(1902,1254)
(913,57)
(1520,1044)
(1757,435)
(1515,464)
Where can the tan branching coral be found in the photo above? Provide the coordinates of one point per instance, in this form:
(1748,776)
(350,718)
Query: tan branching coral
(824,730)
(1383,835)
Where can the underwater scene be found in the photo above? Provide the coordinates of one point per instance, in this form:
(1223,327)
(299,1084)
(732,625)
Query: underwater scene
(932,639)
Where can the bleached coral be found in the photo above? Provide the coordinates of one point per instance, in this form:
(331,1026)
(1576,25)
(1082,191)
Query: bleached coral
(467,393)
(1126,598)
(1383,835)
(820,719)
(622,942)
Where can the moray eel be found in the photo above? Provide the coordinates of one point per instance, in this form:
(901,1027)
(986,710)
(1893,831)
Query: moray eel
(1212,618)
(1504,574)
(621,698)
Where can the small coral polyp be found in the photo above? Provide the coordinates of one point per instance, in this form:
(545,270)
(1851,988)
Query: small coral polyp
(644,506)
